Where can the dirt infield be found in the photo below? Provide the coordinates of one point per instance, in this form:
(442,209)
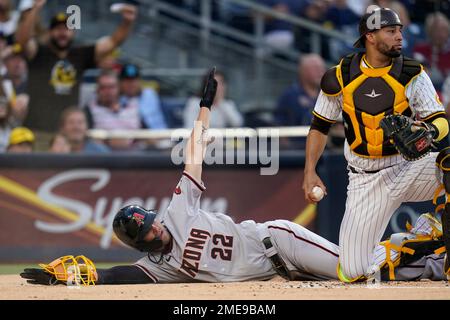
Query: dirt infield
(13,287)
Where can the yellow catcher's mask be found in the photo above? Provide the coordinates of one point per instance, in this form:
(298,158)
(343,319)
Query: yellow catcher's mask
(77,270)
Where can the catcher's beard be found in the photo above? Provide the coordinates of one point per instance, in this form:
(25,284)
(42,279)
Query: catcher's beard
(388,51)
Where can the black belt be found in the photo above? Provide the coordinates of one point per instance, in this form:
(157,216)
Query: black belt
(362,171)
(277,263)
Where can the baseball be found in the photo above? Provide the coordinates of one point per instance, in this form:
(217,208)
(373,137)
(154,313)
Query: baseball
(317,193)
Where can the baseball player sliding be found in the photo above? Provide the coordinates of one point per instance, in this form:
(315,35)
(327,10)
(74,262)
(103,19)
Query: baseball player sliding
(188,244)
(392,117)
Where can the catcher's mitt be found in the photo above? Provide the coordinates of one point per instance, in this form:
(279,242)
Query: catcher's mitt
(412,139)
(67,270)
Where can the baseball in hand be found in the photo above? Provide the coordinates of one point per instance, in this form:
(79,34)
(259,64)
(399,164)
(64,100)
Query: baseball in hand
(317,193)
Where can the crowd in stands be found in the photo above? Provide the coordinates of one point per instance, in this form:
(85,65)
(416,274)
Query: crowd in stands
(44,105)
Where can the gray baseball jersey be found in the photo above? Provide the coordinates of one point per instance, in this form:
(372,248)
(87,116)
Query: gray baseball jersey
(211,247)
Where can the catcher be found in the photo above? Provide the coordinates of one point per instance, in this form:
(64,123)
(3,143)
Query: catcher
(188,244)
(392,118)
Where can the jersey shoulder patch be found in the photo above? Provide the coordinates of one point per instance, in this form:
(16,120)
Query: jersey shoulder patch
(330,84)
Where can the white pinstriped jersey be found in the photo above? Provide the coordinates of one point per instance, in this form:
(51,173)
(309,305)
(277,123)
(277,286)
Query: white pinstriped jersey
(423,101)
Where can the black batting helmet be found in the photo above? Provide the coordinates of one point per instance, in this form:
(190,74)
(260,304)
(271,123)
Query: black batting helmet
(132,223)
(375,20)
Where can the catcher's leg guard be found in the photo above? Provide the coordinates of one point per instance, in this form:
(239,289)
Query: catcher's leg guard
(443,161)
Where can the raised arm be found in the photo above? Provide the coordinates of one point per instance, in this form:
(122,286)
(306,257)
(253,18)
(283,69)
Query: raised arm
(106,45)
(197,143)
(26,26)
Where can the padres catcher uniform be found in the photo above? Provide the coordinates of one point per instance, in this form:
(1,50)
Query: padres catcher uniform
(379,178)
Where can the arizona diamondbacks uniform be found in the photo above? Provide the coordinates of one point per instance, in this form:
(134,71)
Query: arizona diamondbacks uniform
(379,178)
(211,247)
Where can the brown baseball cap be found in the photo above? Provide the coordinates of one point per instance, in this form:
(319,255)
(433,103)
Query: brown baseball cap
(59,18)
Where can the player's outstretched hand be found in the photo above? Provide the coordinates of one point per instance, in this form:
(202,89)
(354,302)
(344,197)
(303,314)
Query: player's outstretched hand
(38,276)
(209,92)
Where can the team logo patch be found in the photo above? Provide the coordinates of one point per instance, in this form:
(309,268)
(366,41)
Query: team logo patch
(63,77)
(177,190)
(421,144)
(373,94)
(139,218)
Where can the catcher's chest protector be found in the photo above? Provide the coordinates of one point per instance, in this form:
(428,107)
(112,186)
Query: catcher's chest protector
(368,96)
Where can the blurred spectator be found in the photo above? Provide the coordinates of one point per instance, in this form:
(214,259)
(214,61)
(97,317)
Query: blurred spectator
(422,8)
(339,16)
(16,69)
(87,86)
(9,20)
(73,126)
(111,61)
(12,111)
(56,68)
(195,6)
(147,99)
(297,102)
(25,5)
(5,123)
(39,30)
(19,108)
(359,6)
(279,33)
(109,113)
(237,16)
(59,144)
(411,31)
(315,11)
(437,49)
(223,112)
(21,140)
